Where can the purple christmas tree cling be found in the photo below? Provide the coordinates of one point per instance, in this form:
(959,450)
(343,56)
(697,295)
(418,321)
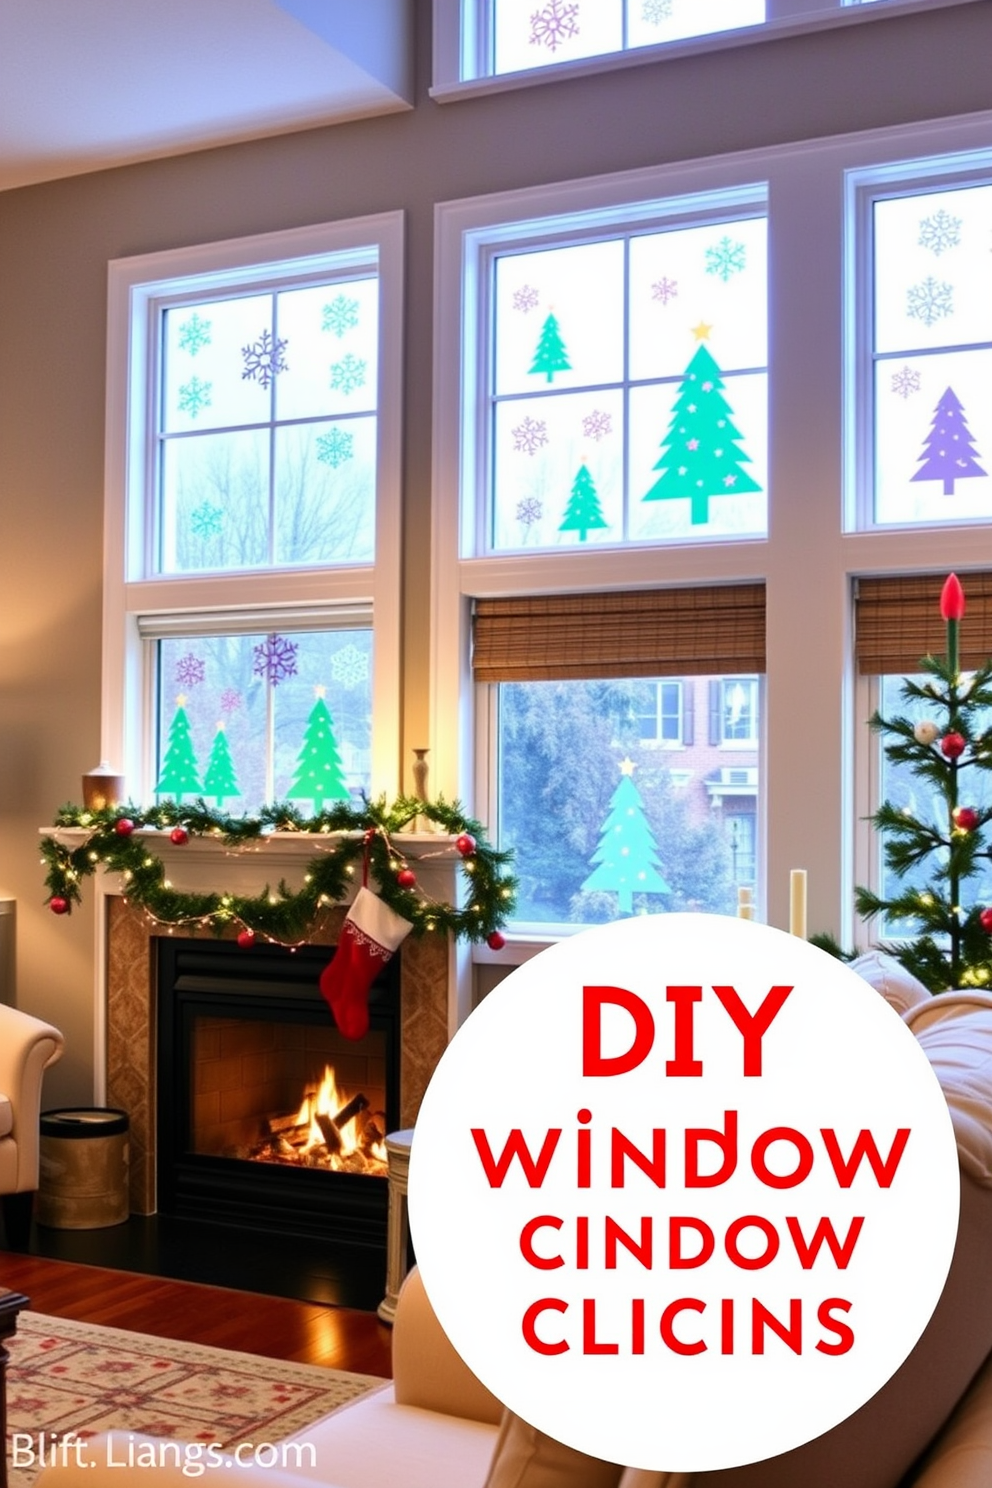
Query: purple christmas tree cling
(949,452)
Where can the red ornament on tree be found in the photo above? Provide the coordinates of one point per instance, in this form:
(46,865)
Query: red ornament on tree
(496,941)
(123,826)
(465,844)
(179,836)
(246,939)
(58,905)
(952,746)
(406,878)
(965,817)
(952,599)
(985,919)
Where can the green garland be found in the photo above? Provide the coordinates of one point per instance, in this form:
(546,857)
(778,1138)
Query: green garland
(112,845)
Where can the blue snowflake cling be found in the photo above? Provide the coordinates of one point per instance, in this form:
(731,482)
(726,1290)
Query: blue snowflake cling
(349,666)
(726,258)
(335,447)
(340,315)
(206,520)
(194,396)
(263,359)
(275,659)
(348,374)
(940,232)
(930,300)
(194,334)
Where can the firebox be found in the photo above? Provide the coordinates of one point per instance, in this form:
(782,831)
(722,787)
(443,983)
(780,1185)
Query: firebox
(267,1116)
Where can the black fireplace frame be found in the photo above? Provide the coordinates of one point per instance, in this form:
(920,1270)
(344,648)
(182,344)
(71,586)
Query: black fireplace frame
(220,979)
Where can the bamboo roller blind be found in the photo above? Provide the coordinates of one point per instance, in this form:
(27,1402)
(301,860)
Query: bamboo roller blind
(897,621)
(639,633)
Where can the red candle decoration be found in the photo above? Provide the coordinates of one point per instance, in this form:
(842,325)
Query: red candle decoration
(465,844)
(952,599)
(406,878)
(179,836)
(965,817)
(953,746)
(246,939)
(123,826)
(58,905)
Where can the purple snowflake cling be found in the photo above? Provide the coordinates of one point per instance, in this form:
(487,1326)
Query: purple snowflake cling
(194,334)
(554,24)
(194,396)
(906,382)
(597,425)
(348,374)
(664,290)
(263,359)
(335,447)
(726,258)
(340,315)
(930,300)
(940,232)
(526,298)
(529,511)
(190,670)
(230,700)
(275,659)
(529,435)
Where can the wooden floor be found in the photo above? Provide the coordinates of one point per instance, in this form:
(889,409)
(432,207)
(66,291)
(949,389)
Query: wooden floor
(276,1327)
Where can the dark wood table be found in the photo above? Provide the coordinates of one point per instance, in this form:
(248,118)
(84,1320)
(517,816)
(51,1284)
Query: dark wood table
(11,1304)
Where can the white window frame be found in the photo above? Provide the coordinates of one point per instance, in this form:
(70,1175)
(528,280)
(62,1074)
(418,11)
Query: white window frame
(140,606)
(752,739)
(659,741)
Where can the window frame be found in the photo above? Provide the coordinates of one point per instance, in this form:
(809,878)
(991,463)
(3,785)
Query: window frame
(135,597)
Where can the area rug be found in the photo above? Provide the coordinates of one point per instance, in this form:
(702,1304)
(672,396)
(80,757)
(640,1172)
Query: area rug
(68,1377)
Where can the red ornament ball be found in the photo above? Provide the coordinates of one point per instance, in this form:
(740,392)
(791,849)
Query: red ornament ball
(246,939)
(965,817)
(465,844)
(58,905)
(406,878)
(496,941)
(985,919)
(179,836)
(123,826)
(952,746)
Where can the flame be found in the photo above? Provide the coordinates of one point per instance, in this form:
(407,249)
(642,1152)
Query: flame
(328,1099)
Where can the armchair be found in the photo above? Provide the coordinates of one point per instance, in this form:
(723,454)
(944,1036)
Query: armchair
(27,1048)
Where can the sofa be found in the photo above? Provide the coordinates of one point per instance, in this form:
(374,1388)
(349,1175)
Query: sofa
(929,1427)
(27,1048)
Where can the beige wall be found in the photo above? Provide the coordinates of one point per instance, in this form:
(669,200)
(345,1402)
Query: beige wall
(56,239)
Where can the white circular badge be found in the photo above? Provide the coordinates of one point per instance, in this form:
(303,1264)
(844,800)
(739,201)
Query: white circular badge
(682,1170)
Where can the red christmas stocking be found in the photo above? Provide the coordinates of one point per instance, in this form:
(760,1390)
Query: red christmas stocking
(369,936)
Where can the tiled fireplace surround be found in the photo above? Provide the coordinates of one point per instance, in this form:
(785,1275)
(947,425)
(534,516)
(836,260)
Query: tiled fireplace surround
(126,1003)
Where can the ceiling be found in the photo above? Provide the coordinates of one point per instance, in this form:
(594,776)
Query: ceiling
(86,84)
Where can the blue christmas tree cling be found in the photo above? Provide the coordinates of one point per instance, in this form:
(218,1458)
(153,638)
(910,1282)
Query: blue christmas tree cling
(949,451)
(626,860)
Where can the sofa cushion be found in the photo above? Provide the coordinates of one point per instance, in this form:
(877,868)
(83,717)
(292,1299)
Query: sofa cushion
(525,1458)
(898,986)
(955,1030)
(6,1116)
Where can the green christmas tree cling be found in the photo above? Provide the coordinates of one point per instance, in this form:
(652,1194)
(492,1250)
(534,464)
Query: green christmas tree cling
(550,356)
(220,780)
(319,775)
(179,776)
(627,856)
(583,512)
(700,452)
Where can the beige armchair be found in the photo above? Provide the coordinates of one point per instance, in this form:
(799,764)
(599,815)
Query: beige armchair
(27,1048)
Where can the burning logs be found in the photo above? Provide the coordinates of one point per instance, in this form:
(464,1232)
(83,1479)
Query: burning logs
(351,1140)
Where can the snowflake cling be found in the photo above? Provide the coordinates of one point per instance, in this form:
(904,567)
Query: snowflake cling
(526,298)
(726,258)
(664,290)
(529,435)
(190,670)
(194,334)
(529,511)
(335,447)
(194,396)
(554,24)
(349,666)
(656,11)
(905,382)
(930,300)
(940,232)
(348,374)
(597,425)
(275,659)
(340,316)
(206,520)
(263,359)
(230,700)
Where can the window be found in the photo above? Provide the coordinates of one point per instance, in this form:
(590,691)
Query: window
(252,511)
(736,699)
(659,713)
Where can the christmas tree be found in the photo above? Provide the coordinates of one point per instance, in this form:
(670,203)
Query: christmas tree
(550,356)
(319,776)
(700,457)
(179,775)
(583,511)
(627,855)
(220,780)
(948,454)
(941,856)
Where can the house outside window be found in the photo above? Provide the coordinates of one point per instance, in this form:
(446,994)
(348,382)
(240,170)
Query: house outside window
(660,716)
(737,722)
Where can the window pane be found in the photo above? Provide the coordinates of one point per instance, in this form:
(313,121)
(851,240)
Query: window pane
(653,21)
(325,492)
(607,815)
(933,357)
(245,719)
(532,33)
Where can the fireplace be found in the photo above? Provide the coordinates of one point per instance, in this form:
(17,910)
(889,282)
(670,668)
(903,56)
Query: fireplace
(267,1117)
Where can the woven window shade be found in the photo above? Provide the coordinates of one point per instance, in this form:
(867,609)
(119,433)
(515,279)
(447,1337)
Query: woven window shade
(643,633)
(897,621)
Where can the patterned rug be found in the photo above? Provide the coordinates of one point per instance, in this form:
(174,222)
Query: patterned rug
(74,1377)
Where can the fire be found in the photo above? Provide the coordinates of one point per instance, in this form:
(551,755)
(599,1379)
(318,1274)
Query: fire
(332,1129)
